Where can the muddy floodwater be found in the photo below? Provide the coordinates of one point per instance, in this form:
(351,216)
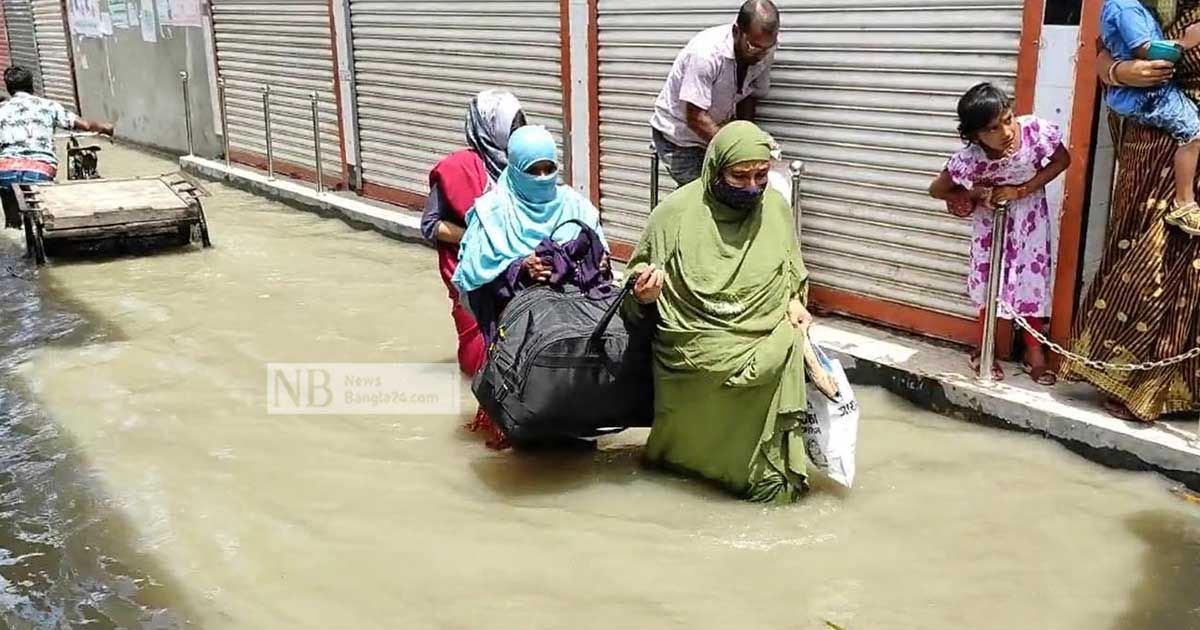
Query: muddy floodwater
(144,485)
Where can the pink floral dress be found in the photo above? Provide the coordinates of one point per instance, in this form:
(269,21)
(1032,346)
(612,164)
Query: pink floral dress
(1025,279)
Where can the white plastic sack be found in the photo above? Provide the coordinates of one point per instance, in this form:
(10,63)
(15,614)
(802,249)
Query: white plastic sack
(831,428)
(779,179)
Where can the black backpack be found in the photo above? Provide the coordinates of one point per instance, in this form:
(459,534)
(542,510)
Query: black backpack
(564,365)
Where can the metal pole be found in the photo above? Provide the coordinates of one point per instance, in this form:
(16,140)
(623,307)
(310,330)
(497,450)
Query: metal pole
(797,169)
(316,117)
(653,177)
(224,121)
(987,353)
(266,92)
(568,162)
(187,111)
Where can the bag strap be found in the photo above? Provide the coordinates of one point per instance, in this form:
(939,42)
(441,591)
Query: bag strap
(611,312)
(583,227)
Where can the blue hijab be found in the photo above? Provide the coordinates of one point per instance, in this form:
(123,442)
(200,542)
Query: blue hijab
(508,222)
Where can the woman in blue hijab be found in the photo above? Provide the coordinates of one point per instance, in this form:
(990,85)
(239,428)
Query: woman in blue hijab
(519,234)
(526,206)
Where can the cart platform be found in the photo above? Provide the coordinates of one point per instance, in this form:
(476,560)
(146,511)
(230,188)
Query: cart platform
(94,210)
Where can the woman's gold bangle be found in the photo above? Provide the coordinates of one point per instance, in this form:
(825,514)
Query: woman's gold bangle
(1112,74)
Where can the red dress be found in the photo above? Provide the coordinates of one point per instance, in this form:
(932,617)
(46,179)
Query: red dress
(461,178)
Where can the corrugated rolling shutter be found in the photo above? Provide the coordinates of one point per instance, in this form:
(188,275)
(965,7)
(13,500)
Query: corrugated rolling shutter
(287,44)
(54,53)
(417,65)
(864,91)
(5,56)
(22,46)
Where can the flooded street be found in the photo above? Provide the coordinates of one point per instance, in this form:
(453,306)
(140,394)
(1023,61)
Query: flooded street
(143,484)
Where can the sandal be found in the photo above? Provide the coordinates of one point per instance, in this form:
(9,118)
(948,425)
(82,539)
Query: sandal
(997,371)
(1042,376)
(1186,218)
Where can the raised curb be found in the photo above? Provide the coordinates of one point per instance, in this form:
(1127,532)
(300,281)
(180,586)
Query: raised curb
(935,377)
(353,210)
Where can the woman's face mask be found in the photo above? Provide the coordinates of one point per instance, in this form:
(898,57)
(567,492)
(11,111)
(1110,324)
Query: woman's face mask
(741,186)
(541,181)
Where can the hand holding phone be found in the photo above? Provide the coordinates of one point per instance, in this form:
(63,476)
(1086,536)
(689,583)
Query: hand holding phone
(1164,51)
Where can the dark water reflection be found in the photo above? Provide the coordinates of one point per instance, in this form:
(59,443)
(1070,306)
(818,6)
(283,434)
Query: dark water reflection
(64,556)
(1169,594)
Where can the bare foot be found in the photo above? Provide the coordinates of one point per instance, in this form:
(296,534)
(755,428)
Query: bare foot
(1118,410)
(1038,369)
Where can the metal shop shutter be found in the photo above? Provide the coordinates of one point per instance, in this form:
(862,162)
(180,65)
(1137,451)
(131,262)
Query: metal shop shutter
(287,44)
(864,91)
(54,53)
(22,45)
(417,65)
(5,55)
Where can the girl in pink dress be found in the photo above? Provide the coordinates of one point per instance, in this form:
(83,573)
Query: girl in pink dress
(1007,160)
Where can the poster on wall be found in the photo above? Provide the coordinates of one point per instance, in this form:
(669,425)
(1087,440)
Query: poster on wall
(180,13)
(149,25)
(84,17)
(119,12)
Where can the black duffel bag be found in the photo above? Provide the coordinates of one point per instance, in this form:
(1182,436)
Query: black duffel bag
(565,365)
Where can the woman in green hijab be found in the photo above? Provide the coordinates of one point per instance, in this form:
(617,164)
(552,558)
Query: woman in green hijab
(719,267)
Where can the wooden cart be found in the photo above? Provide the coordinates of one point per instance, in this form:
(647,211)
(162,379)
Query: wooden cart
(100,210)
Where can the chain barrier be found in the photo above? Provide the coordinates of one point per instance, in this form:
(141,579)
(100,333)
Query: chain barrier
(1008,310)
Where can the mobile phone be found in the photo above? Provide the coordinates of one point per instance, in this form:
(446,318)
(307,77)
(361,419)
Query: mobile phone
(1164,51)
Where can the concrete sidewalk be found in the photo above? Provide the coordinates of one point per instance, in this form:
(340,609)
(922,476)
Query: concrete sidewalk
(929,374)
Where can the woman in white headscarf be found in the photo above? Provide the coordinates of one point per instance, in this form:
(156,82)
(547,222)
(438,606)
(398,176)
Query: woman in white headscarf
(454,185)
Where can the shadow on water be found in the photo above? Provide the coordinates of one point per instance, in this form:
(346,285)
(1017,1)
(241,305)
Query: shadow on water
(1168,597)
(554,472)
(67,556)
(557,470)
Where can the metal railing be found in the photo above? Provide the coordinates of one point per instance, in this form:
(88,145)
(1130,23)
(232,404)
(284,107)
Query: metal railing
(266,97)
(316,123)
(654,165)
(224,123)
(987,349)
(797,169)
(267,92)
(185,80)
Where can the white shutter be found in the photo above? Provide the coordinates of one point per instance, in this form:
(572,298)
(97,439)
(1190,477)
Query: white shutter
(864,91)
(417,65)
(287,44)
(54,53)
(5,55)
(22,46)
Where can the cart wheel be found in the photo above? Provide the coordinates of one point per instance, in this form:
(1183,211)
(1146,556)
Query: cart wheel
(204,239)
(39,246)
